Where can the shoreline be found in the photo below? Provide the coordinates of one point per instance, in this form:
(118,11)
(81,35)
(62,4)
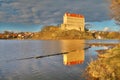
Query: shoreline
(106,67)
(55,33)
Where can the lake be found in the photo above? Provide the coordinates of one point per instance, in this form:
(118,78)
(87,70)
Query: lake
(47,68)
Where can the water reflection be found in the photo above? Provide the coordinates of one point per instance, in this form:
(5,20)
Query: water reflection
(76,56)
(49,68)
(72,58)
(68,45)
(33,69)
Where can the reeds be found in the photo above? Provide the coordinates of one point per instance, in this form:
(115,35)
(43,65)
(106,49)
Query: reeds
(107,68)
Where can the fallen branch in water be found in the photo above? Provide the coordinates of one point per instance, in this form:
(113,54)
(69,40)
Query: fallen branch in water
(43,56)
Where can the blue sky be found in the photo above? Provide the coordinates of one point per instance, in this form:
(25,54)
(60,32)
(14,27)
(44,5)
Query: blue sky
(108,25)
(20,27)
(51,11)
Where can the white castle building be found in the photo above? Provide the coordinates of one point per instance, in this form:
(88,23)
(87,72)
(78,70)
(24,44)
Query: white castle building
(73,21)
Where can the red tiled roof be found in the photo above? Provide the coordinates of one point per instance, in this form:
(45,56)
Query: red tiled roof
(74,15)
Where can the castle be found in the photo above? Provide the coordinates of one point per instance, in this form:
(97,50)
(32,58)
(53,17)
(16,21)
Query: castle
(73,21)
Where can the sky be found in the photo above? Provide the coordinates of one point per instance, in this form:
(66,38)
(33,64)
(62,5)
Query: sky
(51,11)
(19,27)
(108,25)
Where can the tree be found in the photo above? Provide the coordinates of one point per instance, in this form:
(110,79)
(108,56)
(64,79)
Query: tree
(115,10)
(87,26)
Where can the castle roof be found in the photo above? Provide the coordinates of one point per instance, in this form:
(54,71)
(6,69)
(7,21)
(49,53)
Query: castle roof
(74,15)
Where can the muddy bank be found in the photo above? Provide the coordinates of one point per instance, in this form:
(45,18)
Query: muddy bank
(106,67)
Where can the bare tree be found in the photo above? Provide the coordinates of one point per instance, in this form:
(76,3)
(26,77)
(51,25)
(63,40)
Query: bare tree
(115,10)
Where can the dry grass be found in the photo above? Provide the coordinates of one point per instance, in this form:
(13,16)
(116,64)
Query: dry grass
(105,68)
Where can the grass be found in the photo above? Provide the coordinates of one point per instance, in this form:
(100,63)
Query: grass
(106,67)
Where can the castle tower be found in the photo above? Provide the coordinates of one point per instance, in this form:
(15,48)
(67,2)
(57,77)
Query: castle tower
(73,21)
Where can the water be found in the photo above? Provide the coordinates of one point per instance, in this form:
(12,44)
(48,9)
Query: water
(48,68)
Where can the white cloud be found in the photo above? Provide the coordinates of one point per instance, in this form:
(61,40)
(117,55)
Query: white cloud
(106,29)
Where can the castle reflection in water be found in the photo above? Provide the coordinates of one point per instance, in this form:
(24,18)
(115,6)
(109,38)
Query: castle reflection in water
(76,51)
